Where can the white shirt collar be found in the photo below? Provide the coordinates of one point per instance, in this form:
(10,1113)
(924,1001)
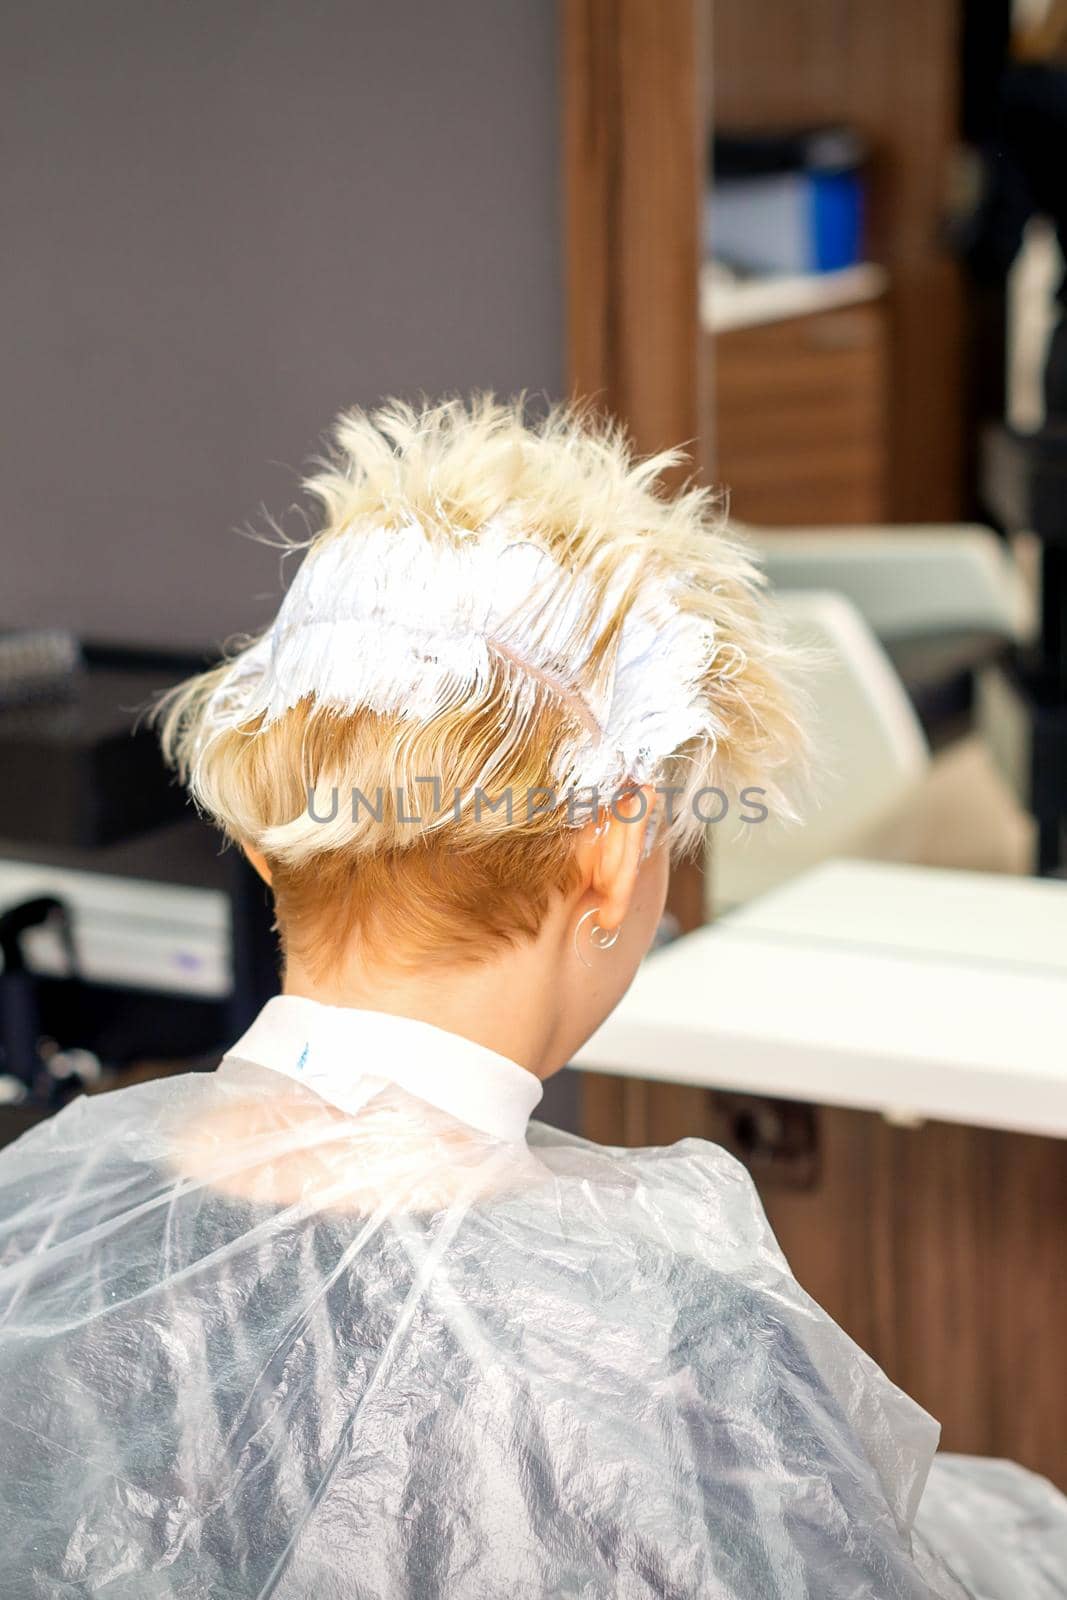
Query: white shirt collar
(344,1055)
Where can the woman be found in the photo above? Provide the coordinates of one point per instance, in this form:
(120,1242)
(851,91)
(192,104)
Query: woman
(334,1321)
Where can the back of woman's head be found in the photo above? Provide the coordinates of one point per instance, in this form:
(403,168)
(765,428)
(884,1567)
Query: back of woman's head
(498,627)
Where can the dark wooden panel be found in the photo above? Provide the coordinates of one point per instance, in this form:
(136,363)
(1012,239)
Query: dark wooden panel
(632,169)
(942,1250)
(1026,1264)
(801,417)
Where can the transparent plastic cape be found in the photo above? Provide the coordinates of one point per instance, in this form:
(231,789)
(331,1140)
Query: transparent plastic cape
(252,1346)
(1003,1529)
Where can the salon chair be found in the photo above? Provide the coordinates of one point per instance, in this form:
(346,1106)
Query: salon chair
(870,755)
(944,601)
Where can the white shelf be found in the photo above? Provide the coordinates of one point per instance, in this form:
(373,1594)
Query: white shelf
(746,303)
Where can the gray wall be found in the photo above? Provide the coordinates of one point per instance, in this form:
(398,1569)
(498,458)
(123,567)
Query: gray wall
(223,220)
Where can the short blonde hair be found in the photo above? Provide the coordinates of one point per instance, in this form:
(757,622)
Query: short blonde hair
(477,874)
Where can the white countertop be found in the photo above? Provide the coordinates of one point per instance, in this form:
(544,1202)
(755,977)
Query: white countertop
(913,991)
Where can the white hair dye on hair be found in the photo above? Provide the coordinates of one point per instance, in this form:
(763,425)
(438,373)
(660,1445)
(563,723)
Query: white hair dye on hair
(394,623)
(516,603)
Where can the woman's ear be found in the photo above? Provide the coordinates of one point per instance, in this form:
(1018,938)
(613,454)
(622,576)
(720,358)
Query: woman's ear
(618,852)
(258,860)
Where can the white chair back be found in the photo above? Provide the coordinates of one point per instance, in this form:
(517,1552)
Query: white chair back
(870,756)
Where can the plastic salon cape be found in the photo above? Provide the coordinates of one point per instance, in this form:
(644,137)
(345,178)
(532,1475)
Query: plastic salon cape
(325,1325)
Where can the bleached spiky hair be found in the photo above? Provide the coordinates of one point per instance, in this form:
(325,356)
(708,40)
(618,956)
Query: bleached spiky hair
(495,606)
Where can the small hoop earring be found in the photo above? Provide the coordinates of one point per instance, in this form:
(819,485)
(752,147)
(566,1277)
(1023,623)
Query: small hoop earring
(598,936)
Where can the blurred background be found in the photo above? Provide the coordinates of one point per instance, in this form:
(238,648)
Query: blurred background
(821,241)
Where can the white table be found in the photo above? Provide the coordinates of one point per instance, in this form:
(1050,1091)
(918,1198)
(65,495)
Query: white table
(916,992)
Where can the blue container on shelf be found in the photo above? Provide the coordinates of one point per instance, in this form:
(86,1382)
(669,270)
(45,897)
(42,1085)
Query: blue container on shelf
(790,202)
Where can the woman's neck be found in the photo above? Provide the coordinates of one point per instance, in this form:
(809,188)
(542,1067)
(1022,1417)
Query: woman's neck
(504,1003)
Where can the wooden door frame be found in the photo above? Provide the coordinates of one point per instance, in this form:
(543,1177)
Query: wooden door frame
(633,139)
(633,164)
(633,157)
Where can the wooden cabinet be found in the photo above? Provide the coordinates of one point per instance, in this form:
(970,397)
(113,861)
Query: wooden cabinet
(938,1248)
(799,417)
(891,72)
